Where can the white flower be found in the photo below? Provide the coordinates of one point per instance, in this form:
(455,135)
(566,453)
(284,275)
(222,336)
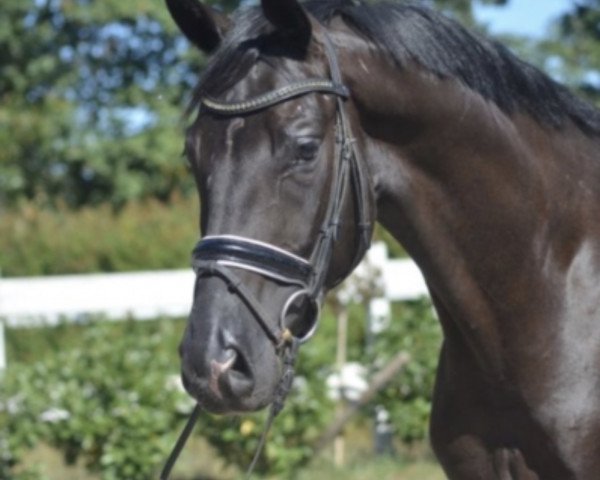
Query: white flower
(12,404)
(185,405)
(54,415)
(173,382)
(349,383)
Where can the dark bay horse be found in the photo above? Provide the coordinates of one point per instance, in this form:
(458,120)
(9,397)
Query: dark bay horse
(315,118)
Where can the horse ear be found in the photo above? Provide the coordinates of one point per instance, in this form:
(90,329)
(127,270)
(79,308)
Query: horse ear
(202,25)
(289,17)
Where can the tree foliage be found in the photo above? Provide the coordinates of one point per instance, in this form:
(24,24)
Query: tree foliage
(92,92)
(463,9)
(143,235)
(572,51)
(91,95)
(107,395)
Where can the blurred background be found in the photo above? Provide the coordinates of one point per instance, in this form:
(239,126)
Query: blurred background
(92,180)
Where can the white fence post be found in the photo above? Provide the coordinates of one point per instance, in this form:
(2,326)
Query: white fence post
(2,347)
(2,339)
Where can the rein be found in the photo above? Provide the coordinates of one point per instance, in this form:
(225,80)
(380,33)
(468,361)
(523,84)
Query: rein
(219,255)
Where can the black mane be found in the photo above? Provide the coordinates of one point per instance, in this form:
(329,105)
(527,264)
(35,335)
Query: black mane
(410,32)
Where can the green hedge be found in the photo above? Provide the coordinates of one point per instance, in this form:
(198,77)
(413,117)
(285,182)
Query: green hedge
(106,395)
(141,236)
(105,401)
(416,330)
(110,389)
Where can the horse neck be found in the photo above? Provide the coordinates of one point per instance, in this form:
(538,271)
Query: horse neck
(442,157)
(469,190)
(438,153)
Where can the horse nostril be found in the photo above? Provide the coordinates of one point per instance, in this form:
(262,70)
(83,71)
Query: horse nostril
(217,369)
(240,365)
(237,378)
(232,375)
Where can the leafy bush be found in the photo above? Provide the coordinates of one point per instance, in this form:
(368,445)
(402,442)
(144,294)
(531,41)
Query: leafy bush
(141,236)
(107,401)
(304,417)
(104,393)
(415,329)
(110,398)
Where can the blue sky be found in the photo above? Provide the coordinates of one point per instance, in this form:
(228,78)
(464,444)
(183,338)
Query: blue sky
(524,17)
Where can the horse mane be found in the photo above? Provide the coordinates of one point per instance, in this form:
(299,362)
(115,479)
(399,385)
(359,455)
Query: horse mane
(410,33)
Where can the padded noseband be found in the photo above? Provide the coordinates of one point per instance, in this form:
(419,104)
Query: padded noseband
(255,256)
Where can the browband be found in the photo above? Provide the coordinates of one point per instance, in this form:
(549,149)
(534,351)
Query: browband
(275,96)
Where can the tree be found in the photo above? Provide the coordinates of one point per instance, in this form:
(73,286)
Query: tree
(463,9)
(572,52)
(91,95)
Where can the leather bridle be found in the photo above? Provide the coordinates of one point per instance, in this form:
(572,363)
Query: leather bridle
(220,255)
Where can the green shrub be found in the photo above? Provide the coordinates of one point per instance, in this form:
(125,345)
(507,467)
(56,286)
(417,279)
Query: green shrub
(416,330)
(107,396)
(106,401)
(106,393)
(141,236)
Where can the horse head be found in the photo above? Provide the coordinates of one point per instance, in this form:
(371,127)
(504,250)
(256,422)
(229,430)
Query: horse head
(285,201)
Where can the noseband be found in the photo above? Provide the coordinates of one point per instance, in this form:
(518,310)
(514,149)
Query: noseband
(220,255)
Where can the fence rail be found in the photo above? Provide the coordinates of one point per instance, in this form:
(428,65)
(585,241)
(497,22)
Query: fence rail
(46,300)
(35,301)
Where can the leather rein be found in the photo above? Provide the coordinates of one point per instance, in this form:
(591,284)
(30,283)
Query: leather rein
(220,255)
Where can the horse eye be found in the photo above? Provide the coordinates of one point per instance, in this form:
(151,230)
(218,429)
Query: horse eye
(307,149)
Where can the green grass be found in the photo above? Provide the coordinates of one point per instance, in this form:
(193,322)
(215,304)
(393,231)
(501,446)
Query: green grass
(373,468)
(199,462)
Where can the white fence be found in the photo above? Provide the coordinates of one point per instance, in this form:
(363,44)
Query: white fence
(144,295)
(46,300)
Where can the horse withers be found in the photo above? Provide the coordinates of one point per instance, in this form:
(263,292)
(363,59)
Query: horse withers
(314,119)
